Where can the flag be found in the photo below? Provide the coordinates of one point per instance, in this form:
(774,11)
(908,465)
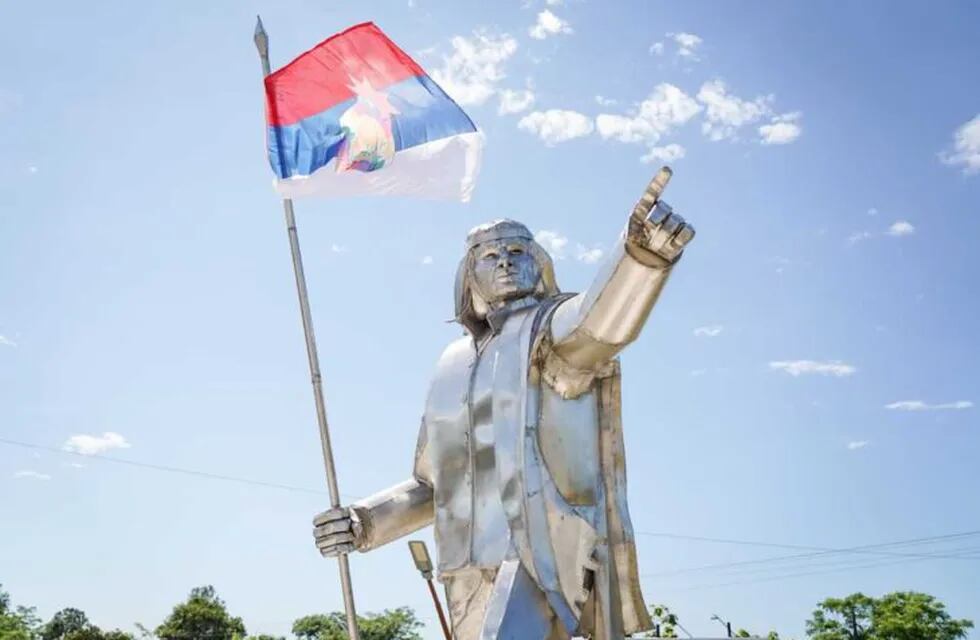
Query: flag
(355,115)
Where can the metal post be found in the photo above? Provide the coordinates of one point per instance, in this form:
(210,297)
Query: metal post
(262,44)
(442,616)
(423,562)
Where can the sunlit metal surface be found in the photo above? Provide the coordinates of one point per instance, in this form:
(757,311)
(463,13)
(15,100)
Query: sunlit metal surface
(520,462)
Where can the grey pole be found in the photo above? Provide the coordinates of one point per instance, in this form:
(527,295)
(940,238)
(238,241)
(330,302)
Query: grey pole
(262,44)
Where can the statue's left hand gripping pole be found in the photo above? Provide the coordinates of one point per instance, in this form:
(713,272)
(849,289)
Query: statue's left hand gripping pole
(262,44)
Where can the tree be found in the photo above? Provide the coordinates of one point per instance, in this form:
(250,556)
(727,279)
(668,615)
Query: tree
(903,615)
(842,619)
(202,617)
(392,624)
(664,622)
(742,633)
(907,615)
(65,622)
(16,623)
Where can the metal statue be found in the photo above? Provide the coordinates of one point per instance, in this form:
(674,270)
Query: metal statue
(520,461)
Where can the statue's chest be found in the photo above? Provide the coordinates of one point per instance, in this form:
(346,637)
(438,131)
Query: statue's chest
(459,411)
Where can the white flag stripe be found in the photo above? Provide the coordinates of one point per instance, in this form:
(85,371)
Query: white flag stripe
(444,169)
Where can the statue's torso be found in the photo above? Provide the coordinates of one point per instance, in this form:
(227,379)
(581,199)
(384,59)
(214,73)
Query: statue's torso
(471,527)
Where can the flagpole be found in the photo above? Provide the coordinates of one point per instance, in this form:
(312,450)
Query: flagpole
(262,44)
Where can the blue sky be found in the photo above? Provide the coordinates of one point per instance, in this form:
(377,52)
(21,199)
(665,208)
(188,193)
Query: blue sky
(146,292)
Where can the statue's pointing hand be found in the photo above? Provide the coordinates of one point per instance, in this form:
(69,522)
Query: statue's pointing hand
(656,235)
(337,531)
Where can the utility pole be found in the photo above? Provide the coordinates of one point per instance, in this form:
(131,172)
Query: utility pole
(728,625)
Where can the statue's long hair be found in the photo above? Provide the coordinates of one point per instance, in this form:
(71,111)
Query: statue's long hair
(471,308)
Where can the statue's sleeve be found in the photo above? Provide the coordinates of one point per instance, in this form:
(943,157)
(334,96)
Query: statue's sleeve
(589,329)
(401,509)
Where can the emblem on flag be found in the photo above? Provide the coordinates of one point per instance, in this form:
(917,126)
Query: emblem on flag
(356,115)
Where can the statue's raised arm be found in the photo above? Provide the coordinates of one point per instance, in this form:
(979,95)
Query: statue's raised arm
(592,327)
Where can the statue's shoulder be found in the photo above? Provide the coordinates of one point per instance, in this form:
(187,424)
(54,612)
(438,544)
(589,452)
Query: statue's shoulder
(460,349)
(451,368)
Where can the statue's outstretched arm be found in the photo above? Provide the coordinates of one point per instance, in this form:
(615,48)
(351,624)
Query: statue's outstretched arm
(383,517)
(393,513)
(401,509)
(592,327)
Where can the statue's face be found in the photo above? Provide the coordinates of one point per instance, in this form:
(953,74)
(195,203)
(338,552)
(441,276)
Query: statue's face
(505,270)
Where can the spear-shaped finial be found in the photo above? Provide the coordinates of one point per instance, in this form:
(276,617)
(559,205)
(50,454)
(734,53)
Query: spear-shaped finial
(261,39)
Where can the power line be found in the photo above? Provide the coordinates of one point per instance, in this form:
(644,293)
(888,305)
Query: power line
(802,574)
(816,552)
(966,552)
(170,469)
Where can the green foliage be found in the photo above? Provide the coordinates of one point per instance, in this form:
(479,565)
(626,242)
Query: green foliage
(73,624)
(841,618)
(392,624)
(265,636)
(742,633)
(907,615)
(202,617)
(18,623)
(903,615)
(664,622)
(65,623)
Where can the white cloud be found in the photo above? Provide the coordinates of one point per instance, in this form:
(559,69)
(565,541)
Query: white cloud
(858,236)
(872,211)
(557,245)
(919,405)
(667,153)
(901,228)
(7,342)
(779,132)
(553,242)
(556,125)
(548,24)
(427,260)
(783,129)
(91,445)
(857,444)
(586,255)
(32,169)
(666,107)
(657,49)
(605,102)
(339,248)
(554,3)
(898,229)
(32,474)
(709,332)
(471,73)
(799,367)
(512,101)
(966,147)
(727,113)
(687,44)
